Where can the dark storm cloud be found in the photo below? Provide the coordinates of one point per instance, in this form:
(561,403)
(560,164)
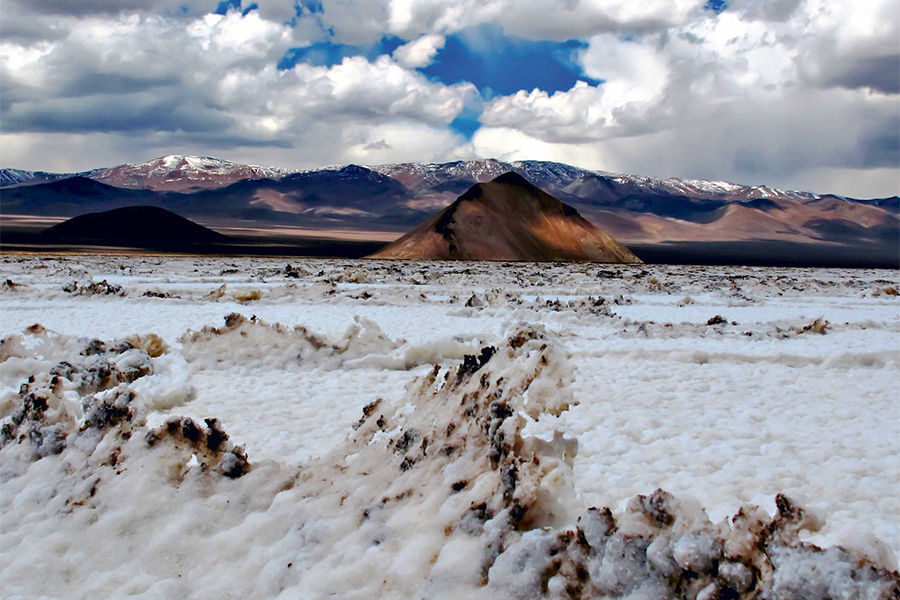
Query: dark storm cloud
(881,147)
(115,113)
(766,10)
(88,7)
(27,30)
(115,84)
(216,139)
(880,73)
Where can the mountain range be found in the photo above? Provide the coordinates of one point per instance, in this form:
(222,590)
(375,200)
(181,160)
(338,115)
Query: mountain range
(381,202)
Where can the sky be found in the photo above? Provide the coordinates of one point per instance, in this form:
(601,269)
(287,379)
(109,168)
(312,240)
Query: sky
(796,94)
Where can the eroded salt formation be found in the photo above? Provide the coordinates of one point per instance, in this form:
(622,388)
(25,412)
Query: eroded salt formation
(437,494)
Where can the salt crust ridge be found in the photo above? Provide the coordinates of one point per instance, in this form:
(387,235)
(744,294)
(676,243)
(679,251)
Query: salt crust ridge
(252,343)
(437,495)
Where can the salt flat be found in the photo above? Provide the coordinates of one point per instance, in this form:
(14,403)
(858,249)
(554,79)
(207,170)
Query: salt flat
(724,385)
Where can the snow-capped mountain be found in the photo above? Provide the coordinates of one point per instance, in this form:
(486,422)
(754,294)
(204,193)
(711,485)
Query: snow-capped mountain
(182,173)
(704,189)
(191,173)
(15,176)
(570,180)
(175,172)
(431,175)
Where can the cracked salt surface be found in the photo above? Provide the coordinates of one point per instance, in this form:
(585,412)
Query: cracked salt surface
(382,464)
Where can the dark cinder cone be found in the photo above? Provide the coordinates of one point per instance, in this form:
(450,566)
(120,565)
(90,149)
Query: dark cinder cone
(133,224)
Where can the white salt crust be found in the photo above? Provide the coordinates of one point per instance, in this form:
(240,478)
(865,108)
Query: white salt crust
(792,390)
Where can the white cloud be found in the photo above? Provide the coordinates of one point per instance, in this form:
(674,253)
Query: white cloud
(211,87)
(727,97)
(635,77)
(576,116)
(365,21)
(383,143)
(792,145)
(547,19)
(234,36)
(420,52)
(354,90)
(512,144)
(25,65)
(766,10)
(850,46)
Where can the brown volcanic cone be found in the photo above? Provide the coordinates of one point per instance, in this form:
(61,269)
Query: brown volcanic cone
(507,219)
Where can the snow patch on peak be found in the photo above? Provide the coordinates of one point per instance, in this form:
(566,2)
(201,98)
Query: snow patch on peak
(177,171)
(170,161)
(181,161)
(707,189)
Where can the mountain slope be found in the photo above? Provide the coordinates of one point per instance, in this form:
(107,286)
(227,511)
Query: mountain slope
(507,219)
(70,197)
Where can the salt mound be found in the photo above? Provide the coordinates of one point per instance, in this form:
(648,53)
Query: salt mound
(252,343)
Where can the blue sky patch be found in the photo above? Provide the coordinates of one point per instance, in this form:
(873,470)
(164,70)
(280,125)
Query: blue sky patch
(466,122)
(716,6)
(328,54)
(499,64)
(466,126)
(305,8)
(226,5)
(311,7)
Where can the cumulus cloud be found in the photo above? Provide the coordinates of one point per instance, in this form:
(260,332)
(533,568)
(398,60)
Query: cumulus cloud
(746,96)
(513,144)
(131,72)
(575,116)
(635,78)
(362,22)
(354,89)
(211,83)
(420,52)
(540,19)
(851,47)
(766,10)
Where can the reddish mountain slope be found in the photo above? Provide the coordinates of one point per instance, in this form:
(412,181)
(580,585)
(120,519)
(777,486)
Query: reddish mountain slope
(508,219)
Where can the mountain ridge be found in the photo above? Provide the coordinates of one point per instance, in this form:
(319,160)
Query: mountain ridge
(186,166)
(391,199)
